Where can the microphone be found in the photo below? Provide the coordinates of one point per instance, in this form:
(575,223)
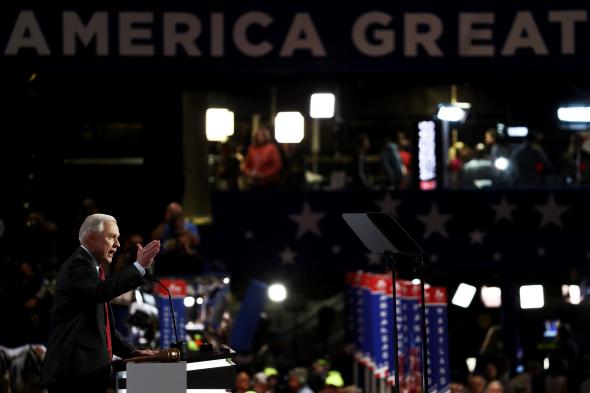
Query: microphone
(178,344)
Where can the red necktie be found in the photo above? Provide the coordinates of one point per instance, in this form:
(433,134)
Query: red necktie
(108,322)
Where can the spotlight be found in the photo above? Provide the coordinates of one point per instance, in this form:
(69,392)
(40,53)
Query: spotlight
(451,113)
(226,280)
(199,300)
(491,296)
(321,105)
(464,295)
(531,296)
(219,124)
(277,293)
(576,114)
(289,127)
(189,301)
(501,163)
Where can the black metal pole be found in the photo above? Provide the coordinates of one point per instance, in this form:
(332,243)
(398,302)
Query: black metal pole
(390,264)
(420,261)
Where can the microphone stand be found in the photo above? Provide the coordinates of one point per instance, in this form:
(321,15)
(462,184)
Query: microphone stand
(178,344)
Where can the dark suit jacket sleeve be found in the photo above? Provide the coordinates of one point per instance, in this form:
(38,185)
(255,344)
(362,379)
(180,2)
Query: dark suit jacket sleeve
(121,347)
(84,282)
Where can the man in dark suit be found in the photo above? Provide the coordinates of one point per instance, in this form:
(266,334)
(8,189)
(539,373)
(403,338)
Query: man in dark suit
(82,337)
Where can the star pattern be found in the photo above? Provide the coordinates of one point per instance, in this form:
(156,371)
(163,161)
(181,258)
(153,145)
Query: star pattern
(551,213)
(541,251)
(287,256)
(336,249)
(433,258)
(307,221)
(388,204)
(503,210)
(249,234)
(497,256)
(476,236)
(435,222)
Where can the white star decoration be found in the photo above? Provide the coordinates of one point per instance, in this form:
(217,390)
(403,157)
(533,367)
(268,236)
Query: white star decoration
(551,212)
(476,236)
(433,258)
(336,249)
(307,221)
(497,256)
(249,234)
(503,210)
(435,222)
(389,205)
(287,256)
(541,251)
(374,258)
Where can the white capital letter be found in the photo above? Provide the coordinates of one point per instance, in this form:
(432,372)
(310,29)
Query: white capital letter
(26,33)
(186,39)
(468,34)
(427,39)
(567,20)
(241,34)
(385,37)
(302,35)
(524,33)
(97,26)
(127,34)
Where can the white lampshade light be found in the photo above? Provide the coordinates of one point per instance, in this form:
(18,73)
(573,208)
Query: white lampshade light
(491,297)
(577,114)
(464,295)
(531,296)
(277,293)
(451,113)
(321,105)
(289,127)
(219,124)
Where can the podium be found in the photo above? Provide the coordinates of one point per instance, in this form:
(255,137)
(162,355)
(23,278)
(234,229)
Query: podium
(210,372)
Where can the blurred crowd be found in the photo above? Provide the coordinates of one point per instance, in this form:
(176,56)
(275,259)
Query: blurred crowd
(371,162)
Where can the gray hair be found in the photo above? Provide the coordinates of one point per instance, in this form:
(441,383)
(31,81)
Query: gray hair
(94,223)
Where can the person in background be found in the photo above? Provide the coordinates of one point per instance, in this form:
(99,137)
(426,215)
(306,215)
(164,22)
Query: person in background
(392,163)
(179,238)
(242,382)
(298,381)
(358,169)
(82,336)
(263,162)
(259,383)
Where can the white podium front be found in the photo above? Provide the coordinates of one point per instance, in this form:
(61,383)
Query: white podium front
(212,372)
(156,377)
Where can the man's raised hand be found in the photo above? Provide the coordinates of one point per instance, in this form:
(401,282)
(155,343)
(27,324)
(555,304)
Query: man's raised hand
(145,255)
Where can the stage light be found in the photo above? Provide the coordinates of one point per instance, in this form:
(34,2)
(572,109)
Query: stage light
(517,132)
(572,293)
(546,364)
(531,296)
(219,124)
(501,163)
(199,300)
(464,295)
(491,297)
(471,363)
(277,293)
(189,301)
(321,105)
(451,113)
(416,281)
(576,114)
(226,280)
(289,127)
